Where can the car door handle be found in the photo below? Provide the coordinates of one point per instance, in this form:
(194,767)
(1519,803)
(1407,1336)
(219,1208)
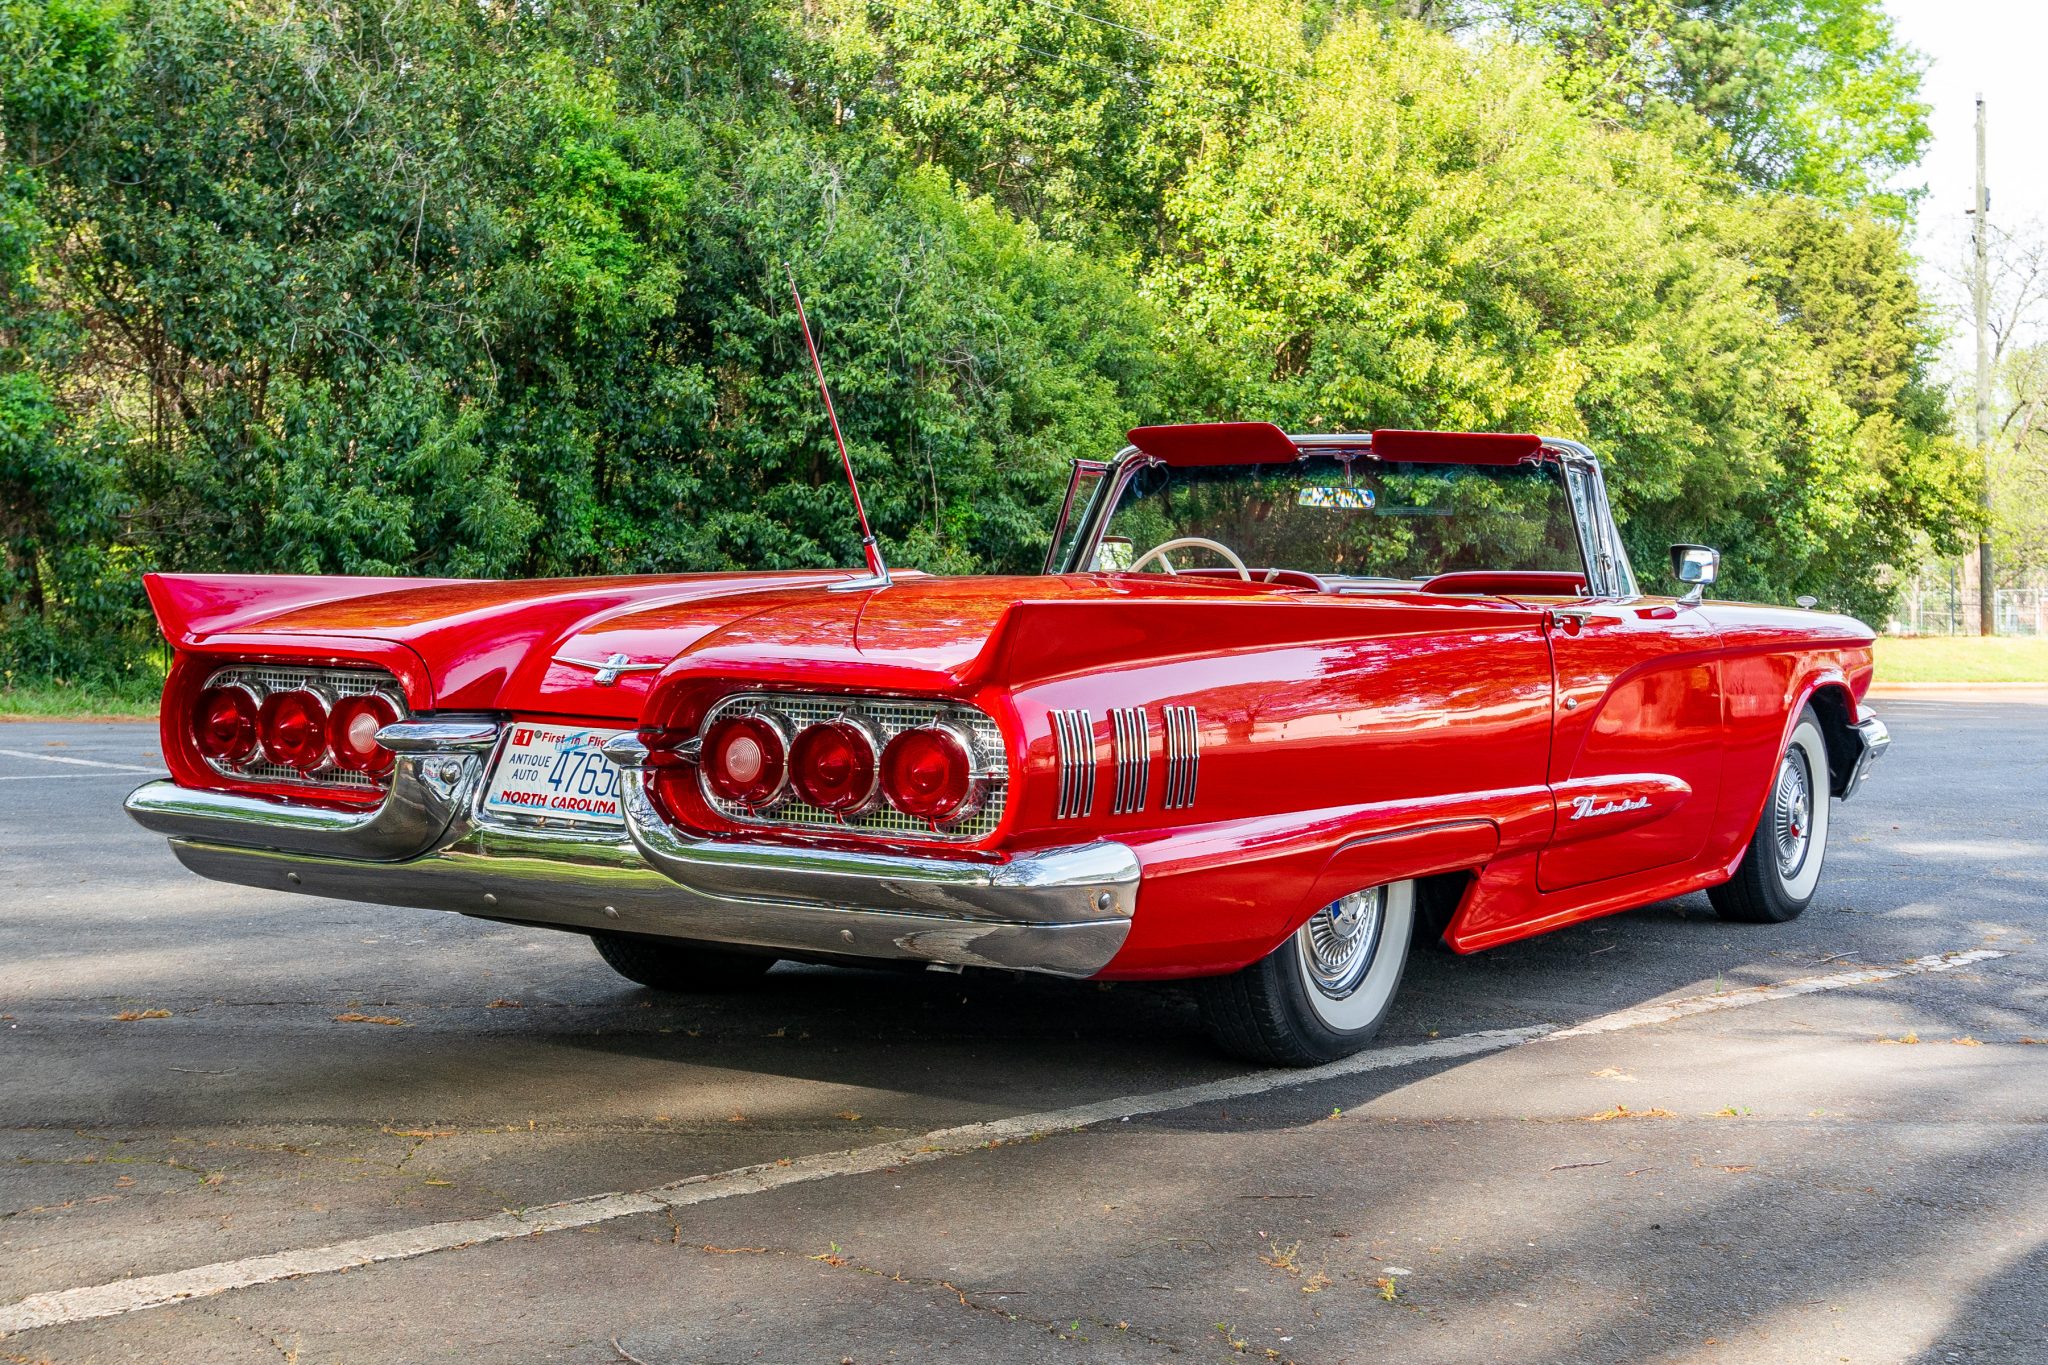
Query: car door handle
(1571,619)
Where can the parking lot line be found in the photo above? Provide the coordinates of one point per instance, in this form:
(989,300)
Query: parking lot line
(77,762)
(119,1297)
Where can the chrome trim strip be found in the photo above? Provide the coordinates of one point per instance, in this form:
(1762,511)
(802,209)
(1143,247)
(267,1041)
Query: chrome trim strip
(1610,574)
(1074,739)
(439,734)
(1183,757)
(1133,749)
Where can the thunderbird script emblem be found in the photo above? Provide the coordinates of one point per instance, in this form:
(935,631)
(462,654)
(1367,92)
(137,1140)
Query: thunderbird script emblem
(607,670)
(1583,806)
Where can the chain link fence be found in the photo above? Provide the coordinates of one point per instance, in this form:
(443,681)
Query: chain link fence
(1938,601)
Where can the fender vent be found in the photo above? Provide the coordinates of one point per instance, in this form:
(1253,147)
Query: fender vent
(1074,734)
(1133,758)
(1183,757)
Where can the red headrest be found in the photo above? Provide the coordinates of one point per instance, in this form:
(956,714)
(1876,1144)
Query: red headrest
(1195,443)
(1456,447)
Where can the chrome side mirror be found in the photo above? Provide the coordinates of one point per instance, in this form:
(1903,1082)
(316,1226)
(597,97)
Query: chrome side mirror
(1695,566)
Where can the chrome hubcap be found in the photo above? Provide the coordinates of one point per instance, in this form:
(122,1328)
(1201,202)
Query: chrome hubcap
(1792,812)
(1339,941)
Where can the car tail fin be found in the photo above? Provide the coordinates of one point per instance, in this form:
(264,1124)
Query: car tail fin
(190,606)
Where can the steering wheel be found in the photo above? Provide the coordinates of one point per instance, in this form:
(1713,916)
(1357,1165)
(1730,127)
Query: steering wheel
(1158,552)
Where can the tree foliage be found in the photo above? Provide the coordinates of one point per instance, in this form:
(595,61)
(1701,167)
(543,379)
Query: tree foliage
(502,289)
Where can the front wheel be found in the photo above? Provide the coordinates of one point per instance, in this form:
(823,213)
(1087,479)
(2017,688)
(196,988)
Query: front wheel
(1780,869)
(1324,992)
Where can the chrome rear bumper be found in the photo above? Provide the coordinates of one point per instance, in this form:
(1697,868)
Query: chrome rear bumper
(1065,910)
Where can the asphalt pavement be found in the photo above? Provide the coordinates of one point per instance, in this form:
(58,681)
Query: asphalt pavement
(237,1125)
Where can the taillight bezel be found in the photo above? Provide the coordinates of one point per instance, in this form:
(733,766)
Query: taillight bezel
(341,718)
(862,794)
(248,711)
(884,715)
(771,734)
(972,785)
(335,682)
(317,708)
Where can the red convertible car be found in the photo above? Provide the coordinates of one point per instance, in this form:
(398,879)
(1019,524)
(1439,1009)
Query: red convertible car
(1278,706)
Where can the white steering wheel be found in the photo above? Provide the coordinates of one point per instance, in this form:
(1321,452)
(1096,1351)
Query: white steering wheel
(1158,552)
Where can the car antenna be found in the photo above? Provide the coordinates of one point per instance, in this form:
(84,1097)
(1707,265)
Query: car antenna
(878,572)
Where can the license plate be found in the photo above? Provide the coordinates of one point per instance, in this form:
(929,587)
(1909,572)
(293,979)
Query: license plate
(556,771)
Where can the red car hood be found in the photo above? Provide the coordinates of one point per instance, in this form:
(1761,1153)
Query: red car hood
(535,646)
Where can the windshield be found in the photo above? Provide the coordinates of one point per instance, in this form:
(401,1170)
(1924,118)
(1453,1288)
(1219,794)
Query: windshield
(1357,518)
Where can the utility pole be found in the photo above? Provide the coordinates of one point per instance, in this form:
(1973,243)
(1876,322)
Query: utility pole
(1980,298)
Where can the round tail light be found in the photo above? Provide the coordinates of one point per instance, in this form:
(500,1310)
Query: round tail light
(833,766)
(746,760)
(224,724)
(293,728)
(352,733)
(929,773)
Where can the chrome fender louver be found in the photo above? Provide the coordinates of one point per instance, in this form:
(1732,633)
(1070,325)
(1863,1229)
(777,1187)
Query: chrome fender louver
(1133,748)
(1183,757)
(1074,738)
(1130,737)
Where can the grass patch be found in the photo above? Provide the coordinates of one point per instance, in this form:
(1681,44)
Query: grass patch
(72,701)
(1962,659)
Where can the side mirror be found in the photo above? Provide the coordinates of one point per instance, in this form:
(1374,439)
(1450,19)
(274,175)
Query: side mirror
(1695,566)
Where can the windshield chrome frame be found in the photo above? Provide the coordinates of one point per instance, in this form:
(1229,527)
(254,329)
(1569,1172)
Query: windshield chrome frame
(1608,572)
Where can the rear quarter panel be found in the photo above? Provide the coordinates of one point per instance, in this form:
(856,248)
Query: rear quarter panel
(1342,744)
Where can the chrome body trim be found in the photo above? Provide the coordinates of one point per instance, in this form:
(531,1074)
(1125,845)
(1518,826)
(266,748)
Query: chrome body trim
(1133,750)
(610,669)
(442,734)
(1183,757)
(1074,739)
(1608,571)
(1873,739)
(1064,910)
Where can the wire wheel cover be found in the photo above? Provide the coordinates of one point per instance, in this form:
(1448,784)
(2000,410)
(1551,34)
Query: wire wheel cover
(1339,941)
(1792,812)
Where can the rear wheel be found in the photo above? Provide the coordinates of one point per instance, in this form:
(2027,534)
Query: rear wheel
(1780,869)
(1324,992)
(686,968)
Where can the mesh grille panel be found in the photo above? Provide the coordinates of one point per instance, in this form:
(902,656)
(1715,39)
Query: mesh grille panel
(336,683)
(887,716)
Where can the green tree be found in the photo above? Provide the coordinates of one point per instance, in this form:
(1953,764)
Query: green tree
(1812,96)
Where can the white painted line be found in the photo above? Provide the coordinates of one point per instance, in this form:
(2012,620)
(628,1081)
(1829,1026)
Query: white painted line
(59,777)
(79,762)
(155,1291)
(1753,995)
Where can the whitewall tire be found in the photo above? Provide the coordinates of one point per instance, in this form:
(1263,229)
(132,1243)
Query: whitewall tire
(1780,870)
(1325,991)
